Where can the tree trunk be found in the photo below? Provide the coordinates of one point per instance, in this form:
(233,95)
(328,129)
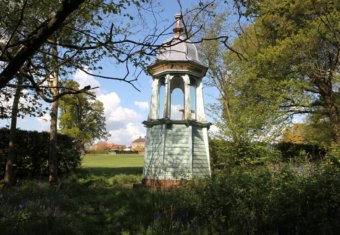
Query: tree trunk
(332,110)
(334,118)
(53,158)
(8,178)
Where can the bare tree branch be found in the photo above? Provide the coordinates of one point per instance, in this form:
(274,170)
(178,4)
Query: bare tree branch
(37,38)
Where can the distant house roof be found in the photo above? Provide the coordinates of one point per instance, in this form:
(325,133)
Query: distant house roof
(139,140)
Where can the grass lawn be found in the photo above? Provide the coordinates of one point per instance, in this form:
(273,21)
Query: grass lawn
(110,164)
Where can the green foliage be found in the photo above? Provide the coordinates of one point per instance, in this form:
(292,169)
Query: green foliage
(95,30)
(32,153)
(226,154)
(281,63)
(318,130)
(263,201)
(293,48)
(85,34)
(309,152)
(82,117)
(248,105)
(244,200)
(334,154)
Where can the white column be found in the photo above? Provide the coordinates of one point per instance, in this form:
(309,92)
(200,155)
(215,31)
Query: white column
(167,98)
(154,104)
(187,109)
(200,115)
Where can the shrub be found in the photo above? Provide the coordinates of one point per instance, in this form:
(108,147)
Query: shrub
(226,154)
(241,200)
(32,153)
(255,200)
(290,150)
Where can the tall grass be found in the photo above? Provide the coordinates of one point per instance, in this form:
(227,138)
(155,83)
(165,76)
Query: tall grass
(242,200)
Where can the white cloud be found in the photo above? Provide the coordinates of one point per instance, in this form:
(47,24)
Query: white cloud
(85,79)
(44,122)
(142,104)
(125,135)
(114,112)
(120,120)
(111,101)
(176,114)
(123,114)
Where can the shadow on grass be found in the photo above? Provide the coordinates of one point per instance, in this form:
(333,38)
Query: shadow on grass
(89,205)
(107,171)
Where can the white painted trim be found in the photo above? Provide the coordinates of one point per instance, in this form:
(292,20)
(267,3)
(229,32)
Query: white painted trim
(200,103)
(154,104)
(206,145)
(187,109)
(167,96)
(190,130)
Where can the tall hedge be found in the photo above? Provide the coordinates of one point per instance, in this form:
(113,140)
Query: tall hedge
(32,153)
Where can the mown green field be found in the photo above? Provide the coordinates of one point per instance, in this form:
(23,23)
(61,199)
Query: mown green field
(110,164)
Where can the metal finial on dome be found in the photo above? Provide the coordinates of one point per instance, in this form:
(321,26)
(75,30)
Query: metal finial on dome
(178,28)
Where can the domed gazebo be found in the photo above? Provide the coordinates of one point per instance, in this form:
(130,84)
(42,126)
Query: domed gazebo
(176,149)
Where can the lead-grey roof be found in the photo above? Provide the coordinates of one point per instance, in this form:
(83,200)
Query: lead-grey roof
(178,49)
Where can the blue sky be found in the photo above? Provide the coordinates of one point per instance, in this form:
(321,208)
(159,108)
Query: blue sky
(125,107)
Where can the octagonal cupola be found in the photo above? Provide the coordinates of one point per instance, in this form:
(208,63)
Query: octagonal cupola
(178,66)
(178,47)
(176,145)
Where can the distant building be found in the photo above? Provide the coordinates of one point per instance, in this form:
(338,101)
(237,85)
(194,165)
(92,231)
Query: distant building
(138,144)
(101,146)
(116,147)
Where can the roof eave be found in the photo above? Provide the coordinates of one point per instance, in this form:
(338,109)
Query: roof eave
(160,67)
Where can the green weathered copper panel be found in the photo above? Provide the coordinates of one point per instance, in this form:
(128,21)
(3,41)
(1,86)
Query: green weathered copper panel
(200,160)
(154,151)
(176,151)
(177,154)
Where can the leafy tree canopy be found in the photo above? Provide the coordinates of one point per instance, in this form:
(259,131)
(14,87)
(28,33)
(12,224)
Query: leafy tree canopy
(283,62)
(82,117)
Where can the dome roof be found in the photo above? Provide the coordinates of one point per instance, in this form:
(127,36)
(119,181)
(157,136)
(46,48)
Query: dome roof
(178,49)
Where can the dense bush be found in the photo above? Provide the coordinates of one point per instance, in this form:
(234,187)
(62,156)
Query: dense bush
(32,153)
(226,154)
(263,201)
(290,150)
(295,198)
(244,200)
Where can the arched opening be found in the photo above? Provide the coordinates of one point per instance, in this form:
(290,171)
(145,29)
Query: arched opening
(177,104)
